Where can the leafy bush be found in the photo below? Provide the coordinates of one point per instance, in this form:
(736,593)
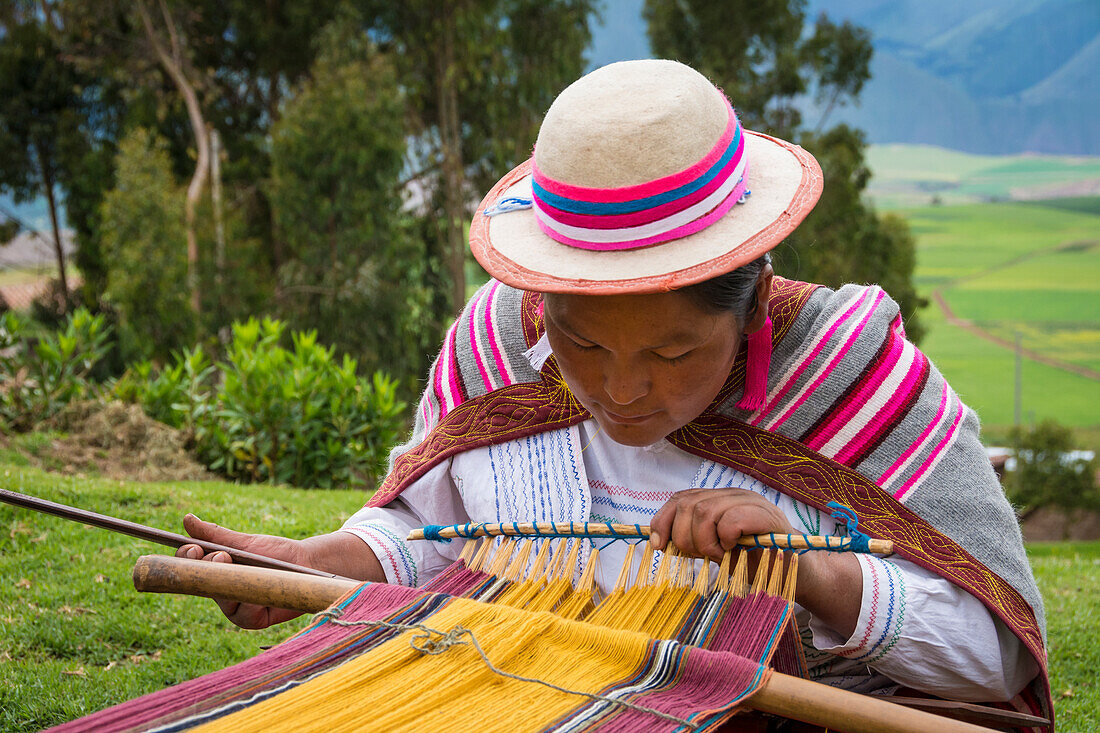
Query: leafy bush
(171,395)
(40,375)
(1047,472)
(266,413)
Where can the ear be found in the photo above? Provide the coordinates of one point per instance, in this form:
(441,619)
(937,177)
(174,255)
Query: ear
(763,294)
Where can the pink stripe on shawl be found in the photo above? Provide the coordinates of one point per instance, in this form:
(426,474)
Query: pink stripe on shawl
(832,362)
(904,457)
(426,409)
(808,359)
(646,216)
(897,402)
(448,390)
(933,458)
(649,188)
(682,231)
(475,346)
(859,400)
(494,344)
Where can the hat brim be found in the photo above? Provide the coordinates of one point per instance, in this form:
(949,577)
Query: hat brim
(785,182)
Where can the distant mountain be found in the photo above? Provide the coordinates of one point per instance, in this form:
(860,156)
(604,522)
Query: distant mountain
(982,76)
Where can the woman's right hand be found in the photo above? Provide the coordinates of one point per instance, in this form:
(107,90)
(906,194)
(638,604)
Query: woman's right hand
(245,615)
(340,553)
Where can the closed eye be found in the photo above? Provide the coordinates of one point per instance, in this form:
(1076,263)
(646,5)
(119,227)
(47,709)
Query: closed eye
(581,345)
(675,359)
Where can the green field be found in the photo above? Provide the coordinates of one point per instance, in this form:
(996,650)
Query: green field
(1031,269)
(914,175)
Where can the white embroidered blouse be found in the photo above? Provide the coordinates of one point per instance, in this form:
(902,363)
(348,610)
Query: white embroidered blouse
(914,628)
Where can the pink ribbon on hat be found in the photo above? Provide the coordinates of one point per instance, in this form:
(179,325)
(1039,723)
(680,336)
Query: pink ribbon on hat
(650,213)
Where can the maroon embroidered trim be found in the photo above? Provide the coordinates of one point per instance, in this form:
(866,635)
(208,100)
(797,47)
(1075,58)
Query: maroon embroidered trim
(531,317)
(509,413)
(790,467)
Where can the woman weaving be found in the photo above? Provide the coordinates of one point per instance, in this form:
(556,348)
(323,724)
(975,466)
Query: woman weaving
(636,360)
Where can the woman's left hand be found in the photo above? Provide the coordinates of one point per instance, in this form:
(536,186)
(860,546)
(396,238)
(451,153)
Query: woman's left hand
(708,522)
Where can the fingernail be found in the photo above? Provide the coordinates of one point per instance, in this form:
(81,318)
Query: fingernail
(654,540)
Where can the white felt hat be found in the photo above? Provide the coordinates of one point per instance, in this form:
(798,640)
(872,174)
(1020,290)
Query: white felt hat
(634,137)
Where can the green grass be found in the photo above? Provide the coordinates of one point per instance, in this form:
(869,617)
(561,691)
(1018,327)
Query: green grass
(1014,268)
(956,242)
(1069,579)
(1077,204)
(983,375)
(76,637)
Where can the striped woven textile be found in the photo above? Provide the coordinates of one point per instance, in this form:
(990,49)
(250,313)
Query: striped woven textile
(673,649)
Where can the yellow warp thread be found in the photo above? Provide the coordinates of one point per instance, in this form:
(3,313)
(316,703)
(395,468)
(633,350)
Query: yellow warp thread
(542,627)
(407,691)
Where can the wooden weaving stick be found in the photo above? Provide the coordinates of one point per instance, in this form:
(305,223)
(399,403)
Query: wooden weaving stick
(603,529)
(153,534)
(790,697)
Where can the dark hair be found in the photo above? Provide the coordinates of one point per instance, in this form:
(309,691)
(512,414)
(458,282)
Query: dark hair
(734,291)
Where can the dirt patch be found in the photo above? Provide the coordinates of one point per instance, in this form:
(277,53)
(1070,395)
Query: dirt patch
(117,441)
(1055,525)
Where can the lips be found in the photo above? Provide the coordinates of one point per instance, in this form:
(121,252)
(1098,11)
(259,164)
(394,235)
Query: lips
(628,419)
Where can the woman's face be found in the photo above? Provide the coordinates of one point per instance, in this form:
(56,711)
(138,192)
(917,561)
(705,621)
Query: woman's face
(643,365)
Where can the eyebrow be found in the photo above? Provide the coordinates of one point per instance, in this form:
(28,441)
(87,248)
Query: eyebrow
(673,339)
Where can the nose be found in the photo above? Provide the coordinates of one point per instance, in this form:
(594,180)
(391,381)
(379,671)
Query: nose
(625,382)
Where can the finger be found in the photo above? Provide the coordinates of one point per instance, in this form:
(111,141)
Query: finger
(681,532)
(729,528)
(250,616)
(704,529)
(191,552)
(661,525)
(211,532)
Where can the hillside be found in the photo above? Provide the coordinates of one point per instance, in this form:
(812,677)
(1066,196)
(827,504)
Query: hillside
(983,76)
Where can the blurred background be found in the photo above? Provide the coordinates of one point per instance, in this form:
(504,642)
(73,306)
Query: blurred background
(172,169)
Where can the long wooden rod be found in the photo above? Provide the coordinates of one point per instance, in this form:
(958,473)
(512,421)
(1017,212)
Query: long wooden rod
(790,697)
(603,529)
(153,534)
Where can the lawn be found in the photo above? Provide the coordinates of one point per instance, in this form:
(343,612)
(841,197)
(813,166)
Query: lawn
(74,634)
(75,637)
(983,375)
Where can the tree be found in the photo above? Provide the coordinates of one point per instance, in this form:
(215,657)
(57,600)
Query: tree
(40,112)
(762,56)
(479,75)
(843,239)
(144,237)
(351,268)
(1047,475)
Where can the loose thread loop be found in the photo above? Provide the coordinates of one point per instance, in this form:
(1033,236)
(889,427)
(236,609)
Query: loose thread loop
(433,641)
(859,542)
(511,203)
